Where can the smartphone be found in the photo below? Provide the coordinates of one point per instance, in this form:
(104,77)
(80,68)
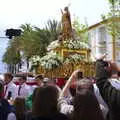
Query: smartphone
(80,75)
(118,74)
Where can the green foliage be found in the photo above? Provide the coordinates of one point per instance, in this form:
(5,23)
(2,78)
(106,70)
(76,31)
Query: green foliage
(33,40)
(11,56)
(54,28)
(79,27)
(81,30)
(113,24)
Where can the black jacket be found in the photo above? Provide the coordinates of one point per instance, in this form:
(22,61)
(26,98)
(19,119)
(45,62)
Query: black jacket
(109,93)
(5,109)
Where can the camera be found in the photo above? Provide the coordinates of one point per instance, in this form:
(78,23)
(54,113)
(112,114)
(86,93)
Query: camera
(106,64)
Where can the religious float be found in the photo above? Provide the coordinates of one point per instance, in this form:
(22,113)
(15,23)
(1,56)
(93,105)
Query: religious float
(66,54)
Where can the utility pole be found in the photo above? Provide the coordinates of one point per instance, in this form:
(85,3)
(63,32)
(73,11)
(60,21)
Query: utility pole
(113,48)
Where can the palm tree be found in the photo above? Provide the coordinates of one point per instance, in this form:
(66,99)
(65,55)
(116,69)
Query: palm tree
(54,28)
(33,41)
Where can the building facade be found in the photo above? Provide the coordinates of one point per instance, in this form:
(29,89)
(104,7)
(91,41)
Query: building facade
(102,42)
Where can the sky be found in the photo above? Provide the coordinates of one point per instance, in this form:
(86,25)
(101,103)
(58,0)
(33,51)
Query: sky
(13,13)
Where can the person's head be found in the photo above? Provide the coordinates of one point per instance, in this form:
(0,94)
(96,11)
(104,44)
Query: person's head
(45,101)
(39,79)
(8,77)
(22,79)
(48,81)
(80,85)
(66,9)
(115,76)
(20,108)
(86,106)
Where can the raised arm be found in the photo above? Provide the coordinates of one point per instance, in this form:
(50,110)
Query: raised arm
(110,94)
(72,78)
(61,11)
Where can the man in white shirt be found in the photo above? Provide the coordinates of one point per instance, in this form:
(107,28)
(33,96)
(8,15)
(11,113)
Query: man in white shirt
(10,89)
(23,89)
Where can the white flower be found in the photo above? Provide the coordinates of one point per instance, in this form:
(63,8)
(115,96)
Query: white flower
(53,45)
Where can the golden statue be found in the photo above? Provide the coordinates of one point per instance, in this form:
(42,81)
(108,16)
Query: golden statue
(66,24)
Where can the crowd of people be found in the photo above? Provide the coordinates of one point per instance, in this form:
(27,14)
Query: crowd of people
(79,99)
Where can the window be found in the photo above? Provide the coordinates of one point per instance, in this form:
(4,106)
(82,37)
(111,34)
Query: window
(102,35)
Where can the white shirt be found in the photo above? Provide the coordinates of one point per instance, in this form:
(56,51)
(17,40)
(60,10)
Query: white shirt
(25,90)
(11,116)
(11,87)
(65,108)
(115,83)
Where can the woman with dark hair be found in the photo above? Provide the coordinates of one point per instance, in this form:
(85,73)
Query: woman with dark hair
(19,112)
(45,104)
(86,106)
(20,108)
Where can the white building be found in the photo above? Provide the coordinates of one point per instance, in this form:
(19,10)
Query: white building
(102,42)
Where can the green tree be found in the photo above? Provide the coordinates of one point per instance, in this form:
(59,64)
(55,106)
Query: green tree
(53,28)
(33,41)
(113,22)
(12,58)
(81,30)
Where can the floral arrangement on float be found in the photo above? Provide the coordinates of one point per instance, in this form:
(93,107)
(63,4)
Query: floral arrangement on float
(73,58)
(53,45)
(51,61)
(75,45)
(71,44)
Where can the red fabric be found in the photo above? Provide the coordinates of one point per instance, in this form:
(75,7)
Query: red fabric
(5,90)
(60,82)
(32,83)
(28,83)
(1,94)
